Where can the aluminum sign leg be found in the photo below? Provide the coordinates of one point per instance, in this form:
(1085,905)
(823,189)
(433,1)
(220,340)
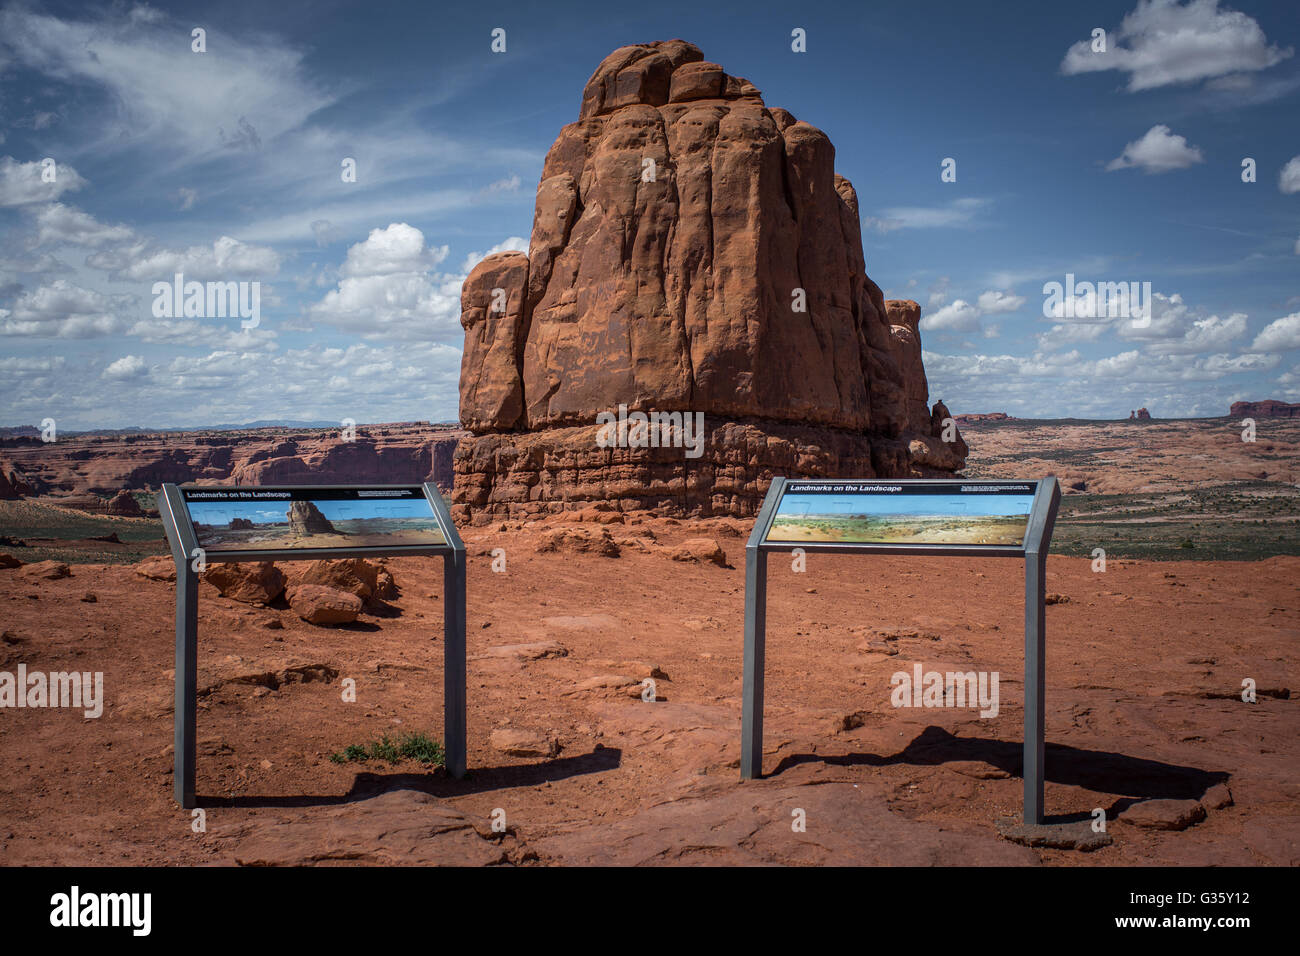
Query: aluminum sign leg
(187,639)
(1035,652)
(751,721)
(453,661)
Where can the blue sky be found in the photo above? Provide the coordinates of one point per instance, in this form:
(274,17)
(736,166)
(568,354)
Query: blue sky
(1017,505)
(1119,167)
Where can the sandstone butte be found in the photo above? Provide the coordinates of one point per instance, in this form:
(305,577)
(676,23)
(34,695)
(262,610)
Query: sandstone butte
(1269,408)
(674,222)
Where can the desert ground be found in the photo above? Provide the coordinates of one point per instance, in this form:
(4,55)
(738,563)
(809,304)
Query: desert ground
(1145,669)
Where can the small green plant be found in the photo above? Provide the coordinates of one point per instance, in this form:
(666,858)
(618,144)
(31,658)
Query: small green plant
(410,746)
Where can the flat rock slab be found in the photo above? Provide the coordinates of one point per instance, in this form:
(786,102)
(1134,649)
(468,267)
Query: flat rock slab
(1164,814)
(401,827)
(1076,835)
(755,824)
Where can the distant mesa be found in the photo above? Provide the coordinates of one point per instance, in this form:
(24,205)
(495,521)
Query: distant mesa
(1140,415)
(1269,408)
(241,524)
(306,519)
(975,419)
(692,251)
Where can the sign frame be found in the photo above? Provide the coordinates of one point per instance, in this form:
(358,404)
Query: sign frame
(1033,550)
(185,548)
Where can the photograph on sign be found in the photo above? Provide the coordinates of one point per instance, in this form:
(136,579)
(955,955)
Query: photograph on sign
(307,519)
(941,513)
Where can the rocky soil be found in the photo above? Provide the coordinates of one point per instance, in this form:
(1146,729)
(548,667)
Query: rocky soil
(1145,669)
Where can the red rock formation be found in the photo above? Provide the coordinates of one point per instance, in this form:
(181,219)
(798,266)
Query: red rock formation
(1269,408)
(692,251)
(90,465)
(976,418)
(1141,415)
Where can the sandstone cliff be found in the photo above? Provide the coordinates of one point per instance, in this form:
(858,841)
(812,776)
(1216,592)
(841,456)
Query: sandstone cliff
(1269,408)
(692,251)
(77,468)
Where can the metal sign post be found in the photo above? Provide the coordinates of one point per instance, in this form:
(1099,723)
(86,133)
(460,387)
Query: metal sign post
(1033,548)
(187,553)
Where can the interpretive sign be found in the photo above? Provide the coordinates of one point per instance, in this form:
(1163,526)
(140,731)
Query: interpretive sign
(874,512)
(904,516)
(312,519)
(214,525)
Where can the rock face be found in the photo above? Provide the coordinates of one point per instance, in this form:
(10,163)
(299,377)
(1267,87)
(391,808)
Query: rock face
(1141,415)
(94,464)
(1269,408)
(692,251)
(306,518)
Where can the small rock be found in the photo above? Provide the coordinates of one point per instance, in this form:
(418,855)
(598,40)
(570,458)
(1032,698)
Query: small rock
(48,570)
(523,743)
(317,604)
(1055,598)
(157,569)
(700,550)
(1217,797)
(89,597)
(1057,836)
(9,561)
(1164,814)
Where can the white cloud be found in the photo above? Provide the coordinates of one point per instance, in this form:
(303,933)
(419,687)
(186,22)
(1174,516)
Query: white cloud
(960,213)
(994,302)
(1162,43)
(22,184)
(127,367)
(508,185)
(244,91)
(225,259)
(1207,334)
(939,292)
(390,289)
(958,316)
(397,249)
(57,223)
(63,310)
(1158,151)
(1289,179)
(1279,335)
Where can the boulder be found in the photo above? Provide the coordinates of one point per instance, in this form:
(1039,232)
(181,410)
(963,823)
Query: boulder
(354,575)
(700,551)
(523,743)
(316,604)
(9,561)
(249,582)
(157,569)
(47,570)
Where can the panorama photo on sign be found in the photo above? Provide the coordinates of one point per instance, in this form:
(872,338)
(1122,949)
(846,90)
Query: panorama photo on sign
(310,519)
(942,513)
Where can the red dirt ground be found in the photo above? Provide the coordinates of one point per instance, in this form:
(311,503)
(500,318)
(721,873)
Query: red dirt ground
(1145,668)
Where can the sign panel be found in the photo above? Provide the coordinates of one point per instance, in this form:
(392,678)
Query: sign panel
(312,519)
(901,513)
